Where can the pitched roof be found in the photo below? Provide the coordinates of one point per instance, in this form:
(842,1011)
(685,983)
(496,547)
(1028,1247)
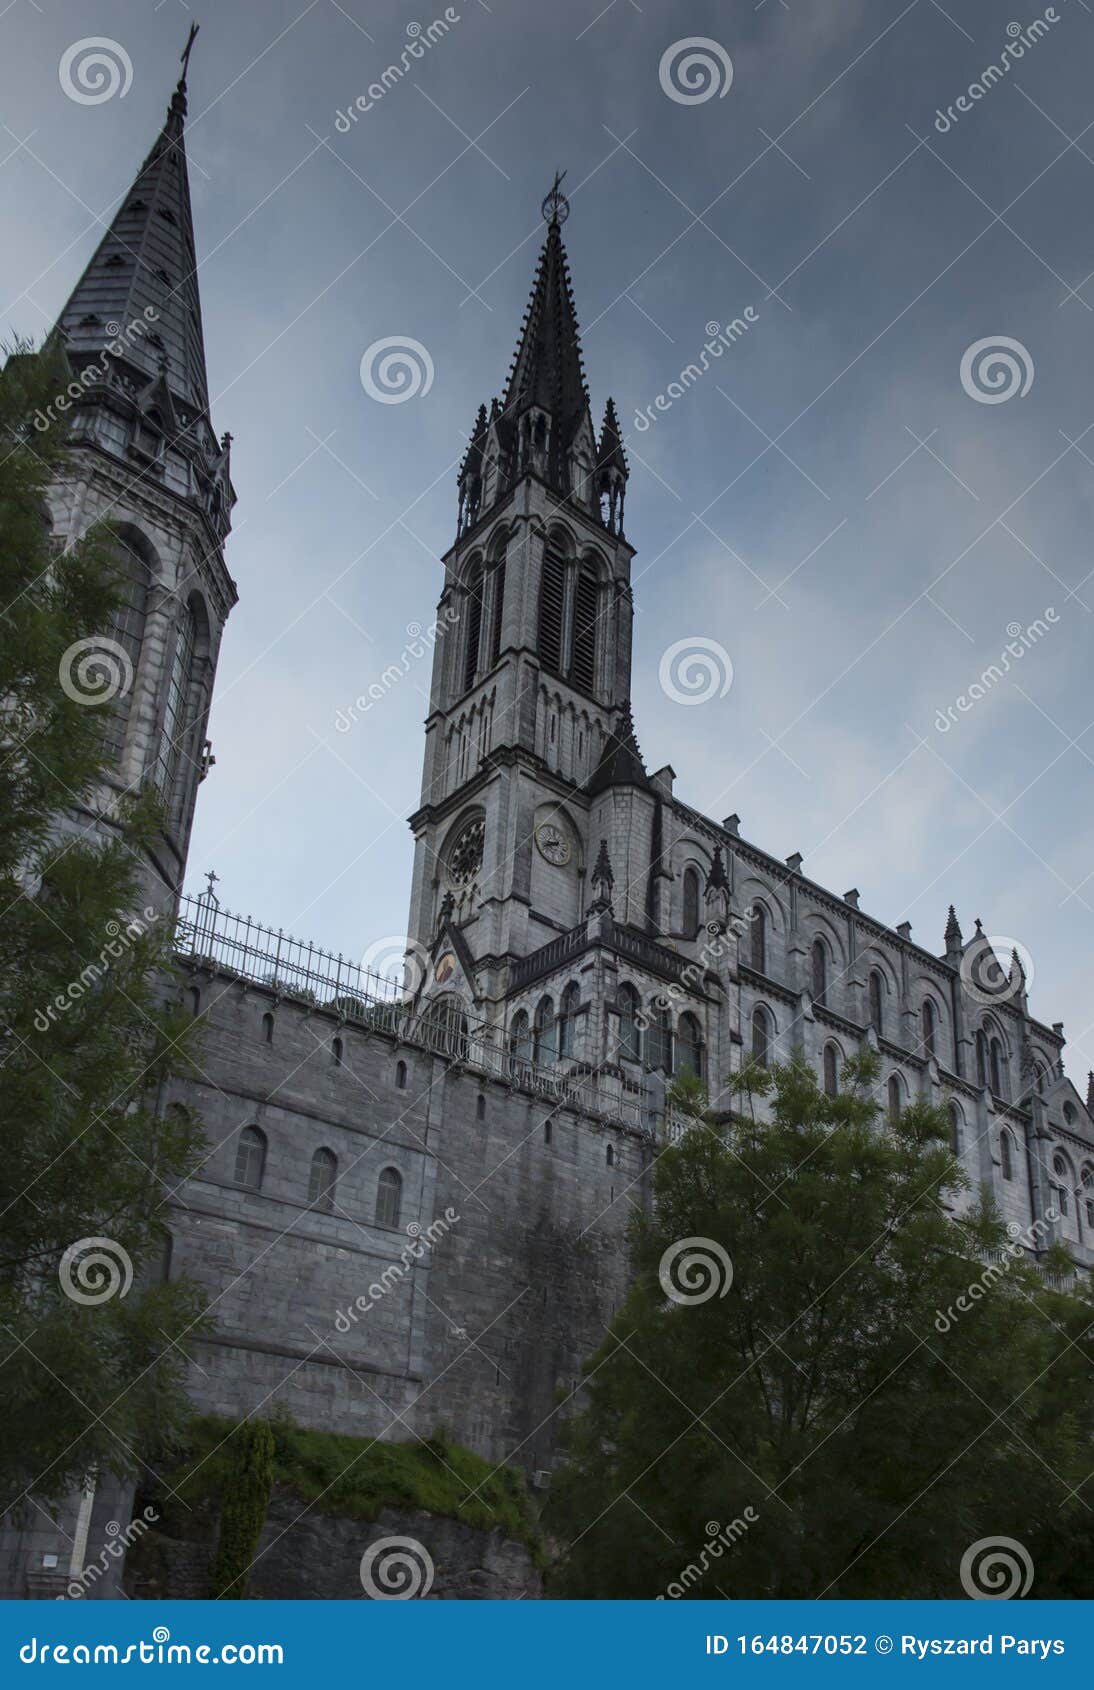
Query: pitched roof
(146,263)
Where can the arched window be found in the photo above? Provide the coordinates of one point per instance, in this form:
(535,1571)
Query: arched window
(322,1180)
(758,939)
(176,707)
(820,971)
(546,1132)
(630,1037)
(981,1059)
(583,659)
(761,1036)
(689,1046)
(877,1002)
(445,1026)
(552,601)
(930,1027)
(400,1076)
(336,1052)
(609,1156)
(831,1070)
(691,902)
(520,1038)
(480,1107)
(545,1046)
(473,629)
(195,1000)
(894,1098)
(996,1056)
(567,1020)
(955,1129)
(1006,1155)
(1063,1176)
(131,583)
(659,1040)
(1040,1078)
(268,1028)
(251,1158)
(389,1197)
(1086,1180)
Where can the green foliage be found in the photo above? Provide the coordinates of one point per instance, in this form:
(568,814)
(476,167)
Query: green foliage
(835,1389)
(85,1042)
(244,1500)
(351,1477)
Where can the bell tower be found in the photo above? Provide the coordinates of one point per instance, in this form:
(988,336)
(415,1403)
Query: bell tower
(143,456)
(529,708)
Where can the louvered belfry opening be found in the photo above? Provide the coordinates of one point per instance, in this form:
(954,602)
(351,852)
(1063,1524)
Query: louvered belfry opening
(497,576)
(583,665)
(552,603)
(474,628)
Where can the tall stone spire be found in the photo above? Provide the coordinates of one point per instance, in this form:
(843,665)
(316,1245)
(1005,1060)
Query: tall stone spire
(145,271)
(547,374)
(953,939)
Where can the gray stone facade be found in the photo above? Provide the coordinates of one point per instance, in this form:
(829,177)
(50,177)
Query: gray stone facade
(412,1211)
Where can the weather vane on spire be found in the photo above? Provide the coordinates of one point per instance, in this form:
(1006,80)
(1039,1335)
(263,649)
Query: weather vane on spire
(556,207)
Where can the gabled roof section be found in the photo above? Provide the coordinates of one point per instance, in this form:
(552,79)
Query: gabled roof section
(621,761)
(146,263)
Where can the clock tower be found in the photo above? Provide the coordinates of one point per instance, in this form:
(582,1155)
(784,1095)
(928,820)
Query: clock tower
(529,744)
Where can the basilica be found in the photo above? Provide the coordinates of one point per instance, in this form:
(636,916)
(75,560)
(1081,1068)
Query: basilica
(413,1206)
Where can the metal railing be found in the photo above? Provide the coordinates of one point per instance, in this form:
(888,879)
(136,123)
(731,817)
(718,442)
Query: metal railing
(207,936)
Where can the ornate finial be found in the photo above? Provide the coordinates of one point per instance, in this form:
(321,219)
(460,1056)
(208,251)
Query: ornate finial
(186,51)
(1090,1093)
(602,882)
(211,880)
(556,207)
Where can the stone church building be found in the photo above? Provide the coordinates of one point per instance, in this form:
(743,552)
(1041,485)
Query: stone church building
(413,1206)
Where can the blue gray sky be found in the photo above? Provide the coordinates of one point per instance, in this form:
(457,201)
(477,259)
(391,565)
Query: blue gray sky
(829,503)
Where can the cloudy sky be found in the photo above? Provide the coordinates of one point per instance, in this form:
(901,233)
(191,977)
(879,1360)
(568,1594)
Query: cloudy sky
(832,503)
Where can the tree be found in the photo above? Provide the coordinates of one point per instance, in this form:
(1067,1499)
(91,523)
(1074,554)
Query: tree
(825,1381)
(87,1036)
(243,1508)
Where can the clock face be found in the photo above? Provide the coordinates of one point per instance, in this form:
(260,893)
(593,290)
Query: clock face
(553,845)
(465,854)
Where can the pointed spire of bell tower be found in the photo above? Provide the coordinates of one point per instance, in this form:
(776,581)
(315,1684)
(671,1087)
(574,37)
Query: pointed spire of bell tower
(144,273)
(546,398)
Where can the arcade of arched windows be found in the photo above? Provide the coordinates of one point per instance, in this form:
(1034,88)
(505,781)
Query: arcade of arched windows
(568,738)
(467,741)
